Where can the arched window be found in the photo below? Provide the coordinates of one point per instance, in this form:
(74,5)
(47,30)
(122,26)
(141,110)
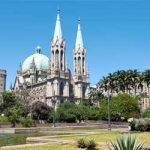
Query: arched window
(61,58)
(83,64)
(61,89)
(57,58)
(56,54)
(79,64)
(75,63)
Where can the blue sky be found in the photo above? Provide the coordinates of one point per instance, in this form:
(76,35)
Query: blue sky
(116,33)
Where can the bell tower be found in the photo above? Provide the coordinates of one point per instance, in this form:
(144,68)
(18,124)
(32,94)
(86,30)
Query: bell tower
(59,75)
(58,47)
(80,70)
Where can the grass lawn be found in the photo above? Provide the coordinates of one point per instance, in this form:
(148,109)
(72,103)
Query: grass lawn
(53,147)
(101,136)
(143,137)
(104,136)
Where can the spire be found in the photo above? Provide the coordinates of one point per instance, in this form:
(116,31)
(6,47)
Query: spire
(58,32)
(32,64)
(79,40)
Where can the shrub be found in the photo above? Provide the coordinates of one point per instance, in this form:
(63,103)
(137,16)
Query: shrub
(132,123)
(126,143)
(14,115)
(147,124)
(146,113)
(140,125)
(88,144)
(66,112)
(81,143)
(3,119)
(91,145)
(27,122)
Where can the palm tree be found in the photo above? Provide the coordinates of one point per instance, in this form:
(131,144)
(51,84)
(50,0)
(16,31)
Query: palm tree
(147,78)
(134,79)
(141,82)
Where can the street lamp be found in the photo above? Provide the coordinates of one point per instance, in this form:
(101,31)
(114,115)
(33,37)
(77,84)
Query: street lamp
(141,108)
(107,95)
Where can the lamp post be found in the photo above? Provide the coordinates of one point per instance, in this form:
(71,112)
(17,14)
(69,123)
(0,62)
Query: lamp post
(108,109)
(141,108)
(109,119)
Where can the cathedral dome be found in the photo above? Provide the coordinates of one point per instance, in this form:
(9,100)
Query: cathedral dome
(40,61)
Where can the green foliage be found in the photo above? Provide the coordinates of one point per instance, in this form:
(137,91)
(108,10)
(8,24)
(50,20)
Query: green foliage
(66,112)
(139,124)
(124,105)
(88,144)
(14,115)
(132,123)
(147,123)
(13,108)
(146,113)
(81,143)
(91,145)
(9,100)
(103,110)
(126,143)
(27,122)
(3,119)
(121,106)
(70,112)
(40,111)
(93,113)
(81,112)
(124,80)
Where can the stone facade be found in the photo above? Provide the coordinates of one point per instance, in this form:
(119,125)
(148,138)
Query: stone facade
(2,83)
(50,80)
(142,94)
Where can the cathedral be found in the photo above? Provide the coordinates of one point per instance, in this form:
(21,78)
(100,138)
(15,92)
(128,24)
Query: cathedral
(49,79)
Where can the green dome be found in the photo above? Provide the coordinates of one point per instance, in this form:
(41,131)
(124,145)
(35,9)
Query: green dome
(41,61)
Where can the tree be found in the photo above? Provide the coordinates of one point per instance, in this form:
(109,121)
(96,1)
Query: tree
(124,81)
(82,112)
(14,114)
(13,108)
(95,95)
(66,112)
(9,100)
(121,106)
(40,111)
(93,113)
(147,78)
(124,105)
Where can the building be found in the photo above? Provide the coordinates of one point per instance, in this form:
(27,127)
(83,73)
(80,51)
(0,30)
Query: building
(49,79)
(2,83)
(143,94)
